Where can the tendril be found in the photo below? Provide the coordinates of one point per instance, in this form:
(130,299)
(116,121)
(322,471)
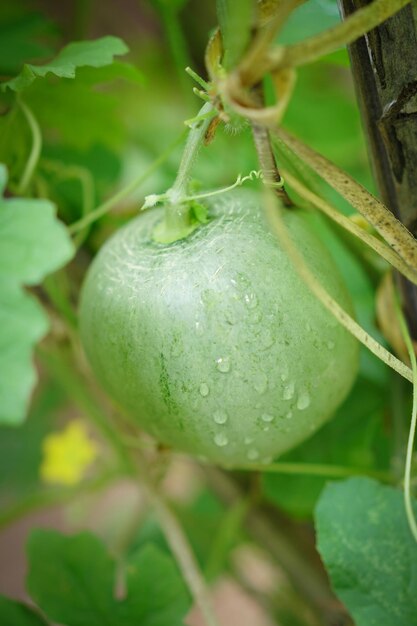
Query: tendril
(154,199)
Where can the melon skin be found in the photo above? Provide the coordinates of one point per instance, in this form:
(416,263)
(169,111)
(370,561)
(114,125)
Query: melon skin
(213,344)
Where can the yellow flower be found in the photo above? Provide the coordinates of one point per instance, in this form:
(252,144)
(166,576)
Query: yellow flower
(67,455)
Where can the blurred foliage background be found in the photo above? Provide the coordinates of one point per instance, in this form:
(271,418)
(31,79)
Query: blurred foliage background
(103,128)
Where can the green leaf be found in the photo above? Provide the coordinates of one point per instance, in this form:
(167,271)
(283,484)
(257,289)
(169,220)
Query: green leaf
(97,53)
(199,212)
(22,325)
(369,552)
(14,613)
(156,595)
(32,244)
(83,576)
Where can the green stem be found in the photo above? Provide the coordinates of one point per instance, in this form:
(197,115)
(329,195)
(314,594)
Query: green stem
(36,147)
(192,147)
(109,204)
(226,533)
(353,27)
(315,469)
(184,556)
(410,445)
(177,222)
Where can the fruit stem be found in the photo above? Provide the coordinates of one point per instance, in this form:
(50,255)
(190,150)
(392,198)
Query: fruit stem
(177,223)
(184,556)
(192,146)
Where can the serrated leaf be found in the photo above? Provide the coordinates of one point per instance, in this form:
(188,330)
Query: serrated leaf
(83,590)
(14,613)
(32,244)
(107,73)
(22,325)
(369,552)
(156,595)
(97,53)
(82,574)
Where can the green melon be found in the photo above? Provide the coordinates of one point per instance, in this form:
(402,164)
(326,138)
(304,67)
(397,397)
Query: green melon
(213,343)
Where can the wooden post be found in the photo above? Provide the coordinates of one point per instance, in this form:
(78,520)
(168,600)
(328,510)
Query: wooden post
(384,67)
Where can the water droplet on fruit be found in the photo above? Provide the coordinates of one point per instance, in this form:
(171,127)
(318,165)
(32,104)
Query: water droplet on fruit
(260,382)
(250,300)
(248,440)
(284,376)
(330,345)
(253,454)
(289,391)
(267,417)
(289,415)
(266,428)
(221,440)
(204,389)
(220,417)
(303,400)
(199,328)
(223,364)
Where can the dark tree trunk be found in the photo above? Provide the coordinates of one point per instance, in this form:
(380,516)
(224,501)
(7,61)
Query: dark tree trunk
(384,66)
